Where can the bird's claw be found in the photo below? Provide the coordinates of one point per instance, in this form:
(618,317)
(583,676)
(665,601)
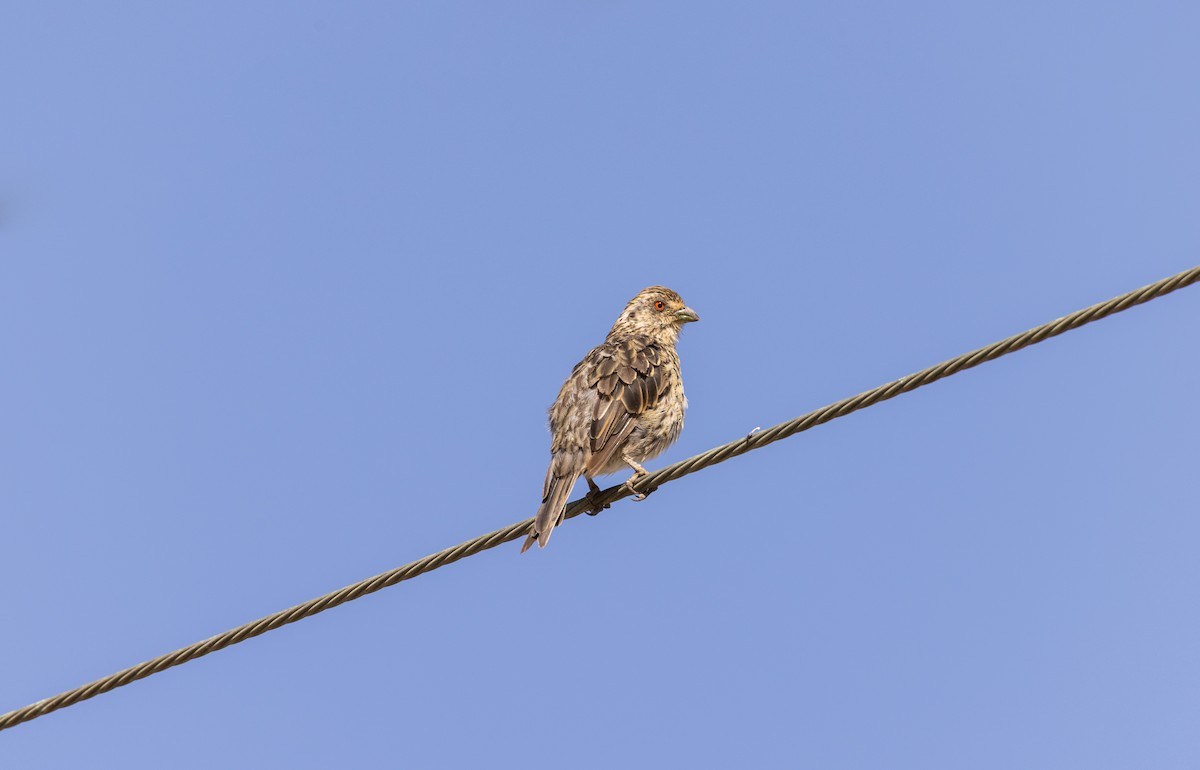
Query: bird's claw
(597,506)
(638,496)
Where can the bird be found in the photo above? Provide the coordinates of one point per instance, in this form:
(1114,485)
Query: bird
(622,405)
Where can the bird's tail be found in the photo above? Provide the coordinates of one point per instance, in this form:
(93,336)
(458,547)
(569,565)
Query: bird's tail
(549,515)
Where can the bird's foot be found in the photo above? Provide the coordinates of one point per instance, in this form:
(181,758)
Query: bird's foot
(597,506)
(638,496)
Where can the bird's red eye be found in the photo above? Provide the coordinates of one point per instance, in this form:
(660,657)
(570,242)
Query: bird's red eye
(659,305)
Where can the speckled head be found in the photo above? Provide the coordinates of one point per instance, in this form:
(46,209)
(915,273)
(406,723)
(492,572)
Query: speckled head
(655,311)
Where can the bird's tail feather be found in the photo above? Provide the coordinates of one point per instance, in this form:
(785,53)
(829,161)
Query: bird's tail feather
(549,515)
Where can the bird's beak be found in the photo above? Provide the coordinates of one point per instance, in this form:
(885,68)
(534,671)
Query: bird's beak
(686,314)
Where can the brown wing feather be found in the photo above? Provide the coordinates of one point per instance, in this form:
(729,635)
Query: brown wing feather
(629,383)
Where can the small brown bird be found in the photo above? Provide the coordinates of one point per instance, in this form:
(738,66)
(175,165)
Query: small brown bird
(623,404)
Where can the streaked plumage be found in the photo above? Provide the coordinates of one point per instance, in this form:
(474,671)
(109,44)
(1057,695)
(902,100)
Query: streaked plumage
(623,403)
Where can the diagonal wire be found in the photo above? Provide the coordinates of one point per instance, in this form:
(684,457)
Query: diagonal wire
(612,494)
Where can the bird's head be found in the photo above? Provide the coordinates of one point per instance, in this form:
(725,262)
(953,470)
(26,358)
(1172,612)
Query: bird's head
(657,312)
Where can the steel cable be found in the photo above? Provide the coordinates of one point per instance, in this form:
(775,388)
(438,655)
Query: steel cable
(653,480)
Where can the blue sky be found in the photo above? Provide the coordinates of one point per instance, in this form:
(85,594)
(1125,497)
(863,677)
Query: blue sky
(286,288)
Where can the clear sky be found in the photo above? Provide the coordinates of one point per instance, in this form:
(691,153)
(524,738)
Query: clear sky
(286,288)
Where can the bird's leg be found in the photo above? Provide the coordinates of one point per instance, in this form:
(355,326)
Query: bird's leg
(638,472)
(594,490)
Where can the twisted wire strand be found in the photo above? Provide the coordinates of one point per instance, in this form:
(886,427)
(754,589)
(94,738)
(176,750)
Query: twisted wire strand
(612,494)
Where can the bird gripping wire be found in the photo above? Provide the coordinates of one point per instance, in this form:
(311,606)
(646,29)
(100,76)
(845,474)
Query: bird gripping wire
(514,531)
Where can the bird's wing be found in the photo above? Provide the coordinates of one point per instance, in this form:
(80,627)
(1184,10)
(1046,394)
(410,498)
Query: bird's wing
(629,378)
